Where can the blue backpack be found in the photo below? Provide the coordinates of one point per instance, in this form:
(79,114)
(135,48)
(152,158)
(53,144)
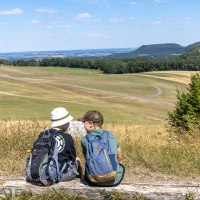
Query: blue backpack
(101,162)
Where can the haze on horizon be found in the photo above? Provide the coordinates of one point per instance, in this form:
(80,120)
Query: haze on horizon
(94,24)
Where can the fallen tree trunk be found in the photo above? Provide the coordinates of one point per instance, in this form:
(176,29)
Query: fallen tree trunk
(153,190)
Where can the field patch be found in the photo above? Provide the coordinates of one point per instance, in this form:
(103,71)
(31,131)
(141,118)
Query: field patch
(144,98)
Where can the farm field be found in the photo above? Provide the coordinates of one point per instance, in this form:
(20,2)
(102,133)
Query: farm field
(143,98)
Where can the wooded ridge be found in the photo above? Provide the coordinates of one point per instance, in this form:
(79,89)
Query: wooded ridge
(188,61)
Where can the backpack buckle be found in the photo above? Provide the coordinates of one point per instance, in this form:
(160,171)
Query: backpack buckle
(34,152)
(46,133)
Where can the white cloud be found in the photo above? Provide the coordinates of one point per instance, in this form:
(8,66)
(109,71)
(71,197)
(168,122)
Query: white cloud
(116,20)
(83,16)
(160,1)
(157,22)
(133,3)
(15,11)
(35,21)
(46,10)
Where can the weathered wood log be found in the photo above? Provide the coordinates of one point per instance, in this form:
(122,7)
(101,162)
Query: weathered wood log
(153,190)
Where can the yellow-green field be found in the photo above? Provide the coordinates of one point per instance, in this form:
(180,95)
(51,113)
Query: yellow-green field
(143,98)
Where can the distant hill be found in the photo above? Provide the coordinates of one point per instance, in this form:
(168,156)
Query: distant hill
(192,46)
(169,48)
(193,52)
(156,51)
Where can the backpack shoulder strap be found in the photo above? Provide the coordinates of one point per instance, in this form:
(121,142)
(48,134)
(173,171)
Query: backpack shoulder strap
(53,132)
(46,133)
(90,137)
(105,134)
(104,137)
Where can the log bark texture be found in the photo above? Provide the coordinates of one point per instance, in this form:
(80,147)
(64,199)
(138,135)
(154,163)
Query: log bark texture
(159,190)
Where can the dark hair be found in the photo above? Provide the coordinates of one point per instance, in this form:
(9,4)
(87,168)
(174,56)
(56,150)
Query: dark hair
(95,116)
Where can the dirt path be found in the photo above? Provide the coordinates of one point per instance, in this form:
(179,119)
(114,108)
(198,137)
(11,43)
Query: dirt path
(166,190)
(184,80)
(30,97)
(108,93)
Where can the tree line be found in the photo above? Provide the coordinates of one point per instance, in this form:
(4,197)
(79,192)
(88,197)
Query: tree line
(117,66)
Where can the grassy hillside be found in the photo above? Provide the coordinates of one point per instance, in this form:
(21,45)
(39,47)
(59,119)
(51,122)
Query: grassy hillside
(193,53)
(144,98)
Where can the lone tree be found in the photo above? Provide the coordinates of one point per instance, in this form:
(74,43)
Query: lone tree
(186,115)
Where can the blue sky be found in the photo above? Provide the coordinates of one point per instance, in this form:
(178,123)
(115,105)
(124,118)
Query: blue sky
(38,25)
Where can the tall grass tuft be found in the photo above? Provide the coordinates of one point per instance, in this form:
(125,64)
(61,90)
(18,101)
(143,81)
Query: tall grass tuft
(15,139)
(155,148)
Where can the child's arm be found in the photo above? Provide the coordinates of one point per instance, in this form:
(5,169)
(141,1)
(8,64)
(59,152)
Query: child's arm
(119,155)
(83,145)
(80,169)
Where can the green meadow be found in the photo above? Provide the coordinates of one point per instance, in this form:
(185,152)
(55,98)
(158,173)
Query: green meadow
(143,98)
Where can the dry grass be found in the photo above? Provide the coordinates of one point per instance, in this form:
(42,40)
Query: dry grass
(175,76)
(144,98)
(147,147)
(185,80)
(16,138)
(154,148)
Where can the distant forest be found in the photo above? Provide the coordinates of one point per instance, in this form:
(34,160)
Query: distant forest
(189,61)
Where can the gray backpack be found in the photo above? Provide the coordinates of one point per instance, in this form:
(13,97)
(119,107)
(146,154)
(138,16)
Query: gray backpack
(42,167)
